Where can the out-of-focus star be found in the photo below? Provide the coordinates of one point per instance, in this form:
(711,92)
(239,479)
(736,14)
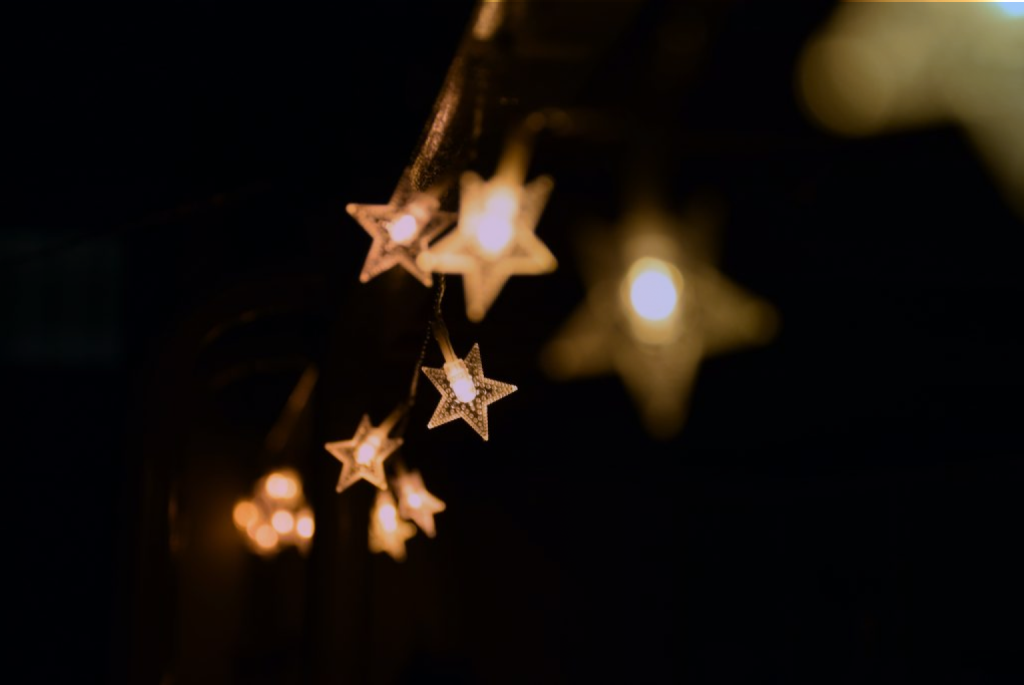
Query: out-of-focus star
(415,503)
(465,393)
(883,66)
(388,532)
(401,230)
(495,238)
(362,457)
(654,310)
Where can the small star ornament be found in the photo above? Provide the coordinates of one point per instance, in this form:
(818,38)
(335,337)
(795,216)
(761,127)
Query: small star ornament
(401,230)
(465,392)
(388,532)
(495,238)
(654,310)
(362,457)
(415,503)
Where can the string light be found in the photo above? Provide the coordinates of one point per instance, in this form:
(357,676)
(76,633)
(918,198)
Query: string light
(415,503)
(401,229)
(465,392)
(654,309)
(362,457)
(388,532)
(495,237)
(276,516)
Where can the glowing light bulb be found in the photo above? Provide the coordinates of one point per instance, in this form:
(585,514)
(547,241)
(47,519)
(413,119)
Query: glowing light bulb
(368,450)
(266,537)
(415,503)
(387,532)
(305,526)
(403,229)
(280,486)
(652,289)
(414,500)
(460,380)
(495,228)
(282,521)
(245,514)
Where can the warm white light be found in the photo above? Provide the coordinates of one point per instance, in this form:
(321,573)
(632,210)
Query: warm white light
(460,380)
(388,517)
(305,526)
(280,486)
(494,228)
(652,289)
(282,521)
(266,537)
(414,500)
(245,514)
(403,229)
(368,450)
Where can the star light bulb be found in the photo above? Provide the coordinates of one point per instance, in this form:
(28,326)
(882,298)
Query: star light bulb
(362,457)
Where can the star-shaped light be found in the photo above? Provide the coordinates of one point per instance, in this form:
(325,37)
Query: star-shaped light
(415,503)
(401,230)
(465,393)
(654,309)
(495,238)
(883,66)
(388,532)
(362,457)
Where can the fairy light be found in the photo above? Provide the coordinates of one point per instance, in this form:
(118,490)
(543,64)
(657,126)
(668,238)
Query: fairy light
(387,532)
(403,229)
(276,516)
(465,392)
(362,457)
(415,503)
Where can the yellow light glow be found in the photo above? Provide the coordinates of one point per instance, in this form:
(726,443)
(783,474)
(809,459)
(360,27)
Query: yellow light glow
(652,288)
(282,521)
(305,526)
(388,517)
(266,537)
(280,486)
(245,514)
(368,450)
(460,380)
(403,229)
(495,227)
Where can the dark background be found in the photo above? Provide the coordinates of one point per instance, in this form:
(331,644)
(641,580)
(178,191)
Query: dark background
(843,506)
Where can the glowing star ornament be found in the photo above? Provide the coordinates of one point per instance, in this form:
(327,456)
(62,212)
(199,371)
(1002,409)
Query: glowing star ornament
(388,532)
(362,457)
(654,310)
(884,66)
(401,230)
(465,392)
(495,238)
(414,502)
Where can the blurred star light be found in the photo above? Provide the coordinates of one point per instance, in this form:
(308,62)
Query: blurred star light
(388,532)
(884,66)
(401,230)
(495,238)
(276,516)
(415,503)
(655,307)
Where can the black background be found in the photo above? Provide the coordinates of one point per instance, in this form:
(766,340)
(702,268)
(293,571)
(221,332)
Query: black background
(843,506)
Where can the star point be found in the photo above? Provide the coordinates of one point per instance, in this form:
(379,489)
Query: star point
(362,457)
(469,404)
